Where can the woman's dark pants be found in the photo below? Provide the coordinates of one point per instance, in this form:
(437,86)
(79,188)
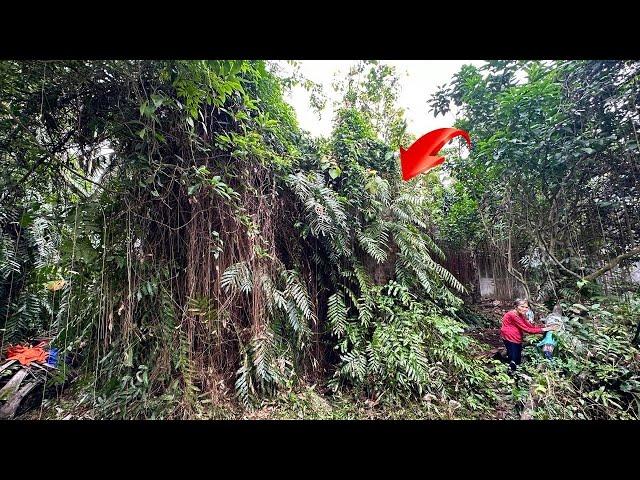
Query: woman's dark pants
(514,352)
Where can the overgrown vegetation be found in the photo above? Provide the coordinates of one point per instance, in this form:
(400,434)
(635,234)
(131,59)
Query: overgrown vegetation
(217,261)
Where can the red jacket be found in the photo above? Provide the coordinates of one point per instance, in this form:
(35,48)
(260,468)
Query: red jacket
(514,324)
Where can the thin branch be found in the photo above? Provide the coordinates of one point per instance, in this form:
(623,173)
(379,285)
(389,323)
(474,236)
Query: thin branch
(612,264)
(555,260)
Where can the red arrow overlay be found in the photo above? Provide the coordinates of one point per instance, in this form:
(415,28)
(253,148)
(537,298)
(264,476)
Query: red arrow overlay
(421,156)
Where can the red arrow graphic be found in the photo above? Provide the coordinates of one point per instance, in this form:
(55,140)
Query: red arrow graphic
(421,156)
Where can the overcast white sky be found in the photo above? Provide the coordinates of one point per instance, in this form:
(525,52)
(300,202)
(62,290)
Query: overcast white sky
(418,80)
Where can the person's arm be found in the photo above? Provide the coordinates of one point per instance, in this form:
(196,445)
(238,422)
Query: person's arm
(526,326)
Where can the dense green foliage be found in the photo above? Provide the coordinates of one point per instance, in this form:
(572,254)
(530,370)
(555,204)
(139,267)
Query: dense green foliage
(552,177)
(213,254)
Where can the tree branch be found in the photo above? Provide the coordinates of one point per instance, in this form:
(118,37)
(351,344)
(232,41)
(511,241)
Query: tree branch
(612,264)
(555,260)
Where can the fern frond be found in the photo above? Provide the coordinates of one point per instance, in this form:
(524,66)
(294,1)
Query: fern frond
(337,314)
(237,277)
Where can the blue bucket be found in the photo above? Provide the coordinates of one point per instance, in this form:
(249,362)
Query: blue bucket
(53,357)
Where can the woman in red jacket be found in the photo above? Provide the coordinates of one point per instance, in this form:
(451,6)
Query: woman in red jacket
(514,324)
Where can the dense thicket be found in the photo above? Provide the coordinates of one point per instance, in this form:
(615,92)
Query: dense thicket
(210,250)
